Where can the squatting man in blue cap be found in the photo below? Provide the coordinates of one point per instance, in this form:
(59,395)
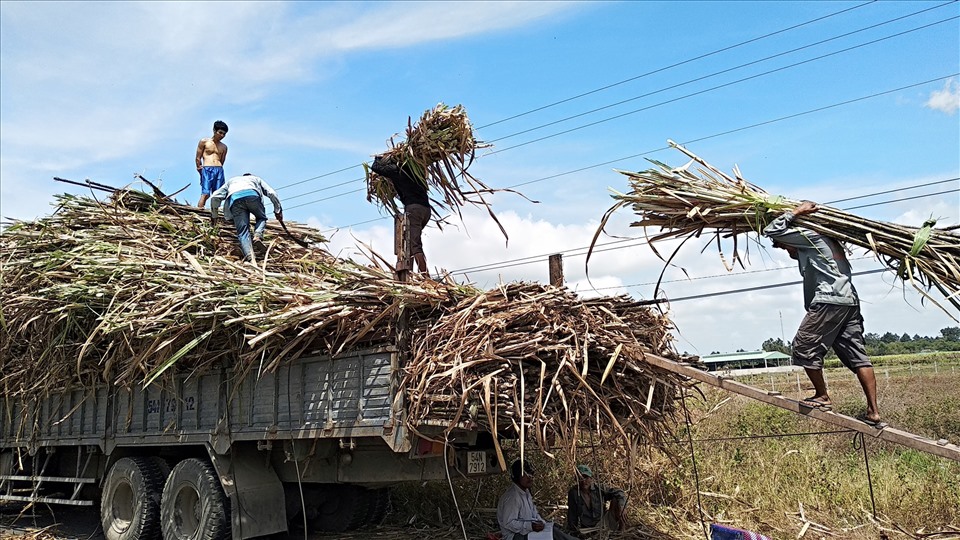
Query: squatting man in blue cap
(516,513)
(587,504)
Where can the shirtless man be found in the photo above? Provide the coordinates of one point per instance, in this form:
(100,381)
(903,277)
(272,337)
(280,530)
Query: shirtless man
(211,155)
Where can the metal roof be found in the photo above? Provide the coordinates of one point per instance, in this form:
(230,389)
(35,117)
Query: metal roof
(741,356)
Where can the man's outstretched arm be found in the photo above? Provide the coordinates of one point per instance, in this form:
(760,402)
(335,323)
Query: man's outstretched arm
(782,230)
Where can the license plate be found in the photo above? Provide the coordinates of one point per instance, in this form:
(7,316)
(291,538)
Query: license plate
(476,462)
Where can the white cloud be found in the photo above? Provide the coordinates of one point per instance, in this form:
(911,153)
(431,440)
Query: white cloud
(87,83)
(271,135)
(405,24)
(946,99)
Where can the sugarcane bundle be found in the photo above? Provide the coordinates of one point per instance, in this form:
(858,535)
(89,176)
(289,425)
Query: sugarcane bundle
(119,291)
(438,149)
(696,199)
(137,287)
(534,362)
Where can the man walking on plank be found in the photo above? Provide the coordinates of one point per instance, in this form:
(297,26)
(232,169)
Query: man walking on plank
(833,316)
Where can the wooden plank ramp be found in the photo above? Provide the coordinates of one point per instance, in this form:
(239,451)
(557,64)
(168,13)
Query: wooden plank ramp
(941,448)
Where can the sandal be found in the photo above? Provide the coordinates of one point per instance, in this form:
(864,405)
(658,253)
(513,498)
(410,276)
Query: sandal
(814,404)
(879,424)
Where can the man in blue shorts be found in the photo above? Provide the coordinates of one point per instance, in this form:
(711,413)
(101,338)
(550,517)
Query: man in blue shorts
(211,155)
(833,310)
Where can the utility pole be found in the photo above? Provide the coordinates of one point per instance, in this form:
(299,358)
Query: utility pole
(556,270)
(401,247)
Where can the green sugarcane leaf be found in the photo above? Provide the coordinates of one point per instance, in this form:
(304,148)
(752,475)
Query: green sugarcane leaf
(177,356)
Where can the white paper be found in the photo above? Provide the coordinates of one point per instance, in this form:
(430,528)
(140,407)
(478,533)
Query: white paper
(545,534)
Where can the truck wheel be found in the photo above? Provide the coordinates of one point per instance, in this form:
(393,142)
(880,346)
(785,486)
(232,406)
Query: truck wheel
(163,466)
(342,508)
(295,507)
(194,506)
(130,503)
(361,507)
(379,502)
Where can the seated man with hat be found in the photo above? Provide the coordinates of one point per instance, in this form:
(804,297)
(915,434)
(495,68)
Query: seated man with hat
(586,504)
(516,513)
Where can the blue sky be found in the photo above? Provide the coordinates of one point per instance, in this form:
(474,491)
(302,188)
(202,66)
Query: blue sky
(106,90)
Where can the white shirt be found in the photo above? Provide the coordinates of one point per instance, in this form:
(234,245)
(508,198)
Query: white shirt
(237,184)
(516,512)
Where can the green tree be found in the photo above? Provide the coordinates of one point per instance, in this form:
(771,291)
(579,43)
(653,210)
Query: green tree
(905,338)
(889,337)
(951,333)
(775,345)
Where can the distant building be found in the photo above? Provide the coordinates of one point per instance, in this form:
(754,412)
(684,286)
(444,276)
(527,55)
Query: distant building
(745,360)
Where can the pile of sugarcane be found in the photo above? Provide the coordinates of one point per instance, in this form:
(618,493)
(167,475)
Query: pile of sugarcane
(121,290)
(125,290)
(571,369)
(438,149)
(697,199)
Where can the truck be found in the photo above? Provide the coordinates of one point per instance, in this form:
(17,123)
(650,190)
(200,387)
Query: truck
(234,452)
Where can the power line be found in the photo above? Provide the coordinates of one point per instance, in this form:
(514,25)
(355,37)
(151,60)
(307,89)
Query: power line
(954,179)
(904,199)
(714,276)
(687,142)
(659,70)
(736,130)
(534,259)
(714,74)
(760,287)
(325,188)
(326,198)
(718,87)
(693,94)
(671,66)
(354,224)
(318,177)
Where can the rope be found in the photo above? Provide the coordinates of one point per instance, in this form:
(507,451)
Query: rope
(693,458)
(303,502)
(446,469)
(860,443)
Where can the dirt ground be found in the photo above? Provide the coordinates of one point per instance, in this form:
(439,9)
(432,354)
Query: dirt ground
(72,523)
(69,523)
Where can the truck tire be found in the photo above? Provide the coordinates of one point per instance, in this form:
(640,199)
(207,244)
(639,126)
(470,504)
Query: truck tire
(194,506)
(343,507)
(296,507)
(164,466)
(130,502)
(378,504)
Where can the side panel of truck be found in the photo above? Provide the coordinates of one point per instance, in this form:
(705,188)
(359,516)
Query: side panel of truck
(318,419)
(350,396)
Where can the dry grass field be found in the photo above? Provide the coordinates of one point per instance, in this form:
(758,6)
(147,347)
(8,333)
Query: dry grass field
(762,477)
(776,485)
